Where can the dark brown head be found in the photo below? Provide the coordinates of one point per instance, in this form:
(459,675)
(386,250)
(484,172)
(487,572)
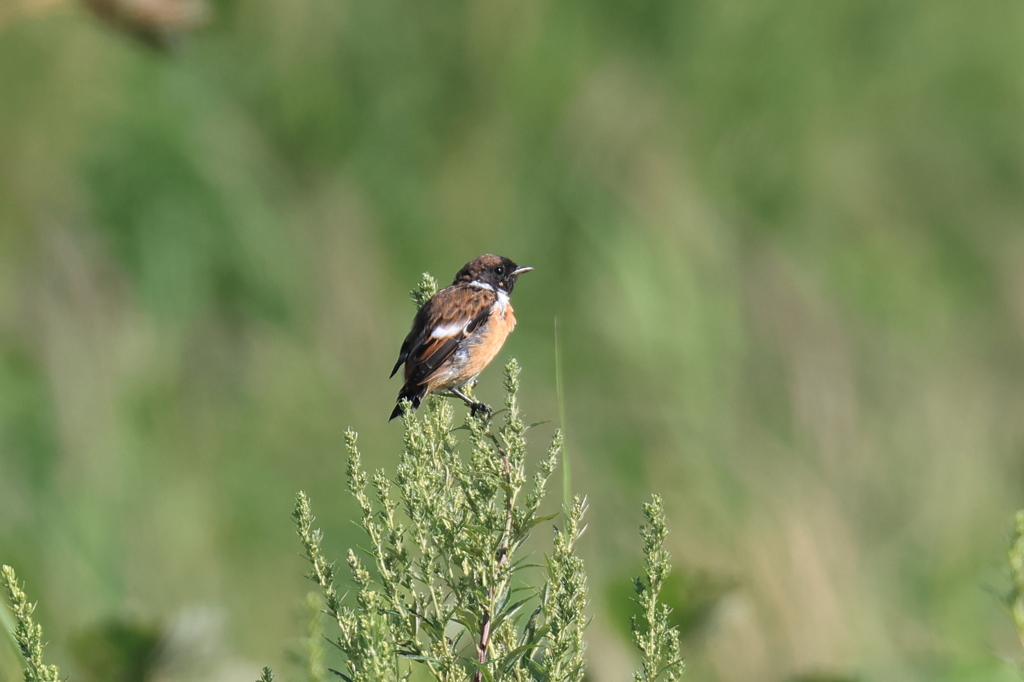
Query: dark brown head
(497,272)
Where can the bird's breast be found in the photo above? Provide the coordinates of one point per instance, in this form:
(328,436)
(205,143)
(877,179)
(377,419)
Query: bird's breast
(478,350)
(488,340)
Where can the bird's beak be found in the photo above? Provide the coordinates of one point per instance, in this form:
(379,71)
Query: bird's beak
(519,271)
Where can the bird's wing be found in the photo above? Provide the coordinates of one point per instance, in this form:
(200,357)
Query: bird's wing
(440,326)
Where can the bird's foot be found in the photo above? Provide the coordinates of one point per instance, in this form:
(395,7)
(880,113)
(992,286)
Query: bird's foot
(481,410)
(476,409)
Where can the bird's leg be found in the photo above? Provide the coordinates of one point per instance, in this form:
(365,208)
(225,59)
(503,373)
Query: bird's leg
(475,408)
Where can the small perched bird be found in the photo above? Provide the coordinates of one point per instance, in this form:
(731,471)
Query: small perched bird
(458,331)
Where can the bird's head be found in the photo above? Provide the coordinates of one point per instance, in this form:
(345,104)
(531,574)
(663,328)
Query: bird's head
(497,272)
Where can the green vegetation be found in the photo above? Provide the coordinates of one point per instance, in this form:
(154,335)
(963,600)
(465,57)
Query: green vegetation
(27,633)
(782,242)
(652,634)
(448,553)
(1015,554)
(454,591)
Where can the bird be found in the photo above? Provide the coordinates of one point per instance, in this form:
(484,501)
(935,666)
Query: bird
(458,331)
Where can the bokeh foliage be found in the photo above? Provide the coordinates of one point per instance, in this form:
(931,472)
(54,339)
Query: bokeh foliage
(783,241)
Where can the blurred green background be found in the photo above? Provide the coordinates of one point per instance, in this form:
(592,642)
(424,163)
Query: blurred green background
(783,241)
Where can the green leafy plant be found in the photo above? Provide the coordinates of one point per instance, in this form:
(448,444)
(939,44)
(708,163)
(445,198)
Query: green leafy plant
(657,640)
(1015,554)
(27,633)
(449,591)
(447,585)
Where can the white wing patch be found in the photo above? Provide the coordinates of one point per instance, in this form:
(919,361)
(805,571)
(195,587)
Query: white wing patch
(449,330)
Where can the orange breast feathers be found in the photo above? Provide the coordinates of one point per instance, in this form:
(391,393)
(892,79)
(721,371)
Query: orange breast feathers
(488,340)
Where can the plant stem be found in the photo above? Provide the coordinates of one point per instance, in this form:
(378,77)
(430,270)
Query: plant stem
(485,628)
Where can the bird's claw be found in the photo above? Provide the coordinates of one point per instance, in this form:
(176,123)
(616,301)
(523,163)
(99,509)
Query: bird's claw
(480,410)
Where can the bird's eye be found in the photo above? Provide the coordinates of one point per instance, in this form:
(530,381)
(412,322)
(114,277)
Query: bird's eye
(500,269)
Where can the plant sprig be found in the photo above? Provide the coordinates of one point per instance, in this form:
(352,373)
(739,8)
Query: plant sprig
(27,633)
(657,641)
(444,584)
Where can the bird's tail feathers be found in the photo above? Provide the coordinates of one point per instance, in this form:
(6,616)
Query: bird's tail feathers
(414,394)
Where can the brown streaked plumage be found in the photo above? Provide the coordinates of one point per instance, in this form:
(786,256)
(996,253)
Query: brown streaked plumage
(458,331)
